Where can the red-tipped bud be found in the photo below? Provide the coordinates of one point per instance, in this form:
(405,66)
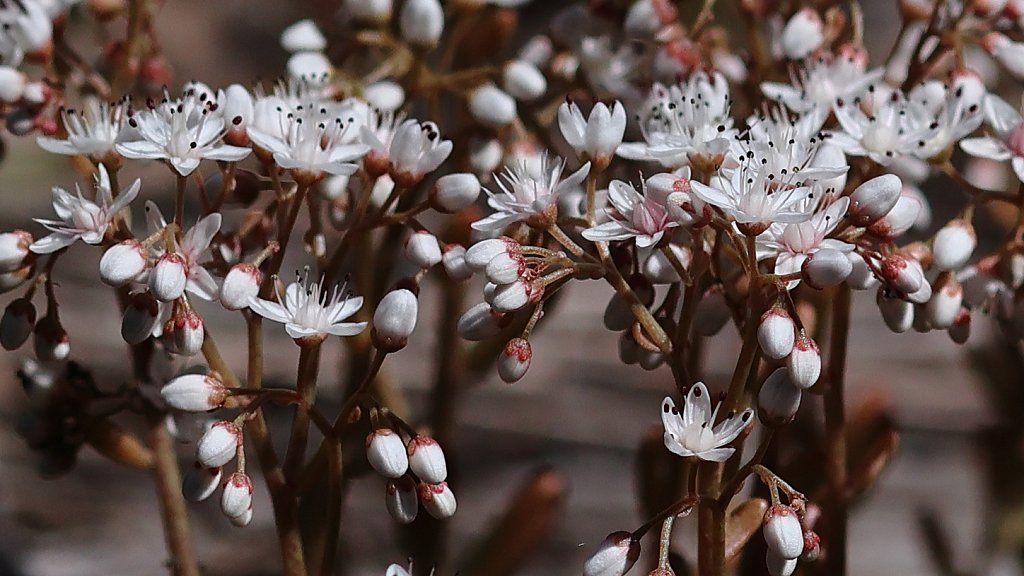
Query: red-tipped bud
(426,459)
(812,546)
(386,453)
(515,359)
(945,303)
(960,331)
(194,393)
(168,278)
(776,333)
(479,254)
(50,339)
(123,262)
(185,332)
(453,258)
(14,249)
(804,362)
(437,499)
(236,499)
(481,322)
(783,532)
(219,444)
(614,557)
(401,500)
(902,274)
(900,219)
(141,316)
(512,297)
(241,285)
(897,313)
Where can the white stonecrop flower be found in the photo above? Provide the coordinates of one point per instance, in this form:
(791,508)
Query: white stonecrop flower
(82,219)
(756,198)
(396,570)
(528,194)
(950,113)
(309,311)
(183,132)
(824,80)
(803,34)
(791,244)
(638,216)
(595,137)
(92,131)
(412,149)
(1007,140)
(891,127)
(193,249)
(693,432)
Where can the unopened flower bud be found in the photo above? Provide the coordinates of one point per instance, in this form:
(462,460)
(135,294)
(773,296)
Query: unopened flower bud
(453,192)
(826,268)
(122,263)
(453,258)
(12,84)
(902,274)
(241,285)
(14,249)
(186,332)
(515,359)
(219,444)
(303,35)
(16,325)
(861,276)
(194,393)
(922,295)
(779,399)
(481,322)
(236,499)
(479,254)
(659,269)
(812,546)
(426,459)
(505,268)
(513,296)
(776,333)
(900,219)
(200,483)
(523,80)
(712,312)
(394,320)
(804,362)
(168,278)
(960,331)
(945,303)
(874,199)
(50,339)
(438,499)
(1005,51)
(491,106)
(783,532)
(897,313)
(141,316)
(614,556)
(803,34)
(779,566)
(385,95)
(953,245)
(423,250)
(11,280)
(421,22)
(401,500)
(386,453)
(485,155)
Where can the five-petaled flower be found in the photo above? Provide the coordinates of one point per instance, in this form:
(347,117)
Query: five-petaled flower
(309,311)
(692,432)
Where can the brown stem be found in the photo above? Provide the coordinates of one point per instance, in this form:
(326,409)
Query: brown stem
(710,521)
(179,203)
(283,234)
(183,560)
(835,434)
(309,368)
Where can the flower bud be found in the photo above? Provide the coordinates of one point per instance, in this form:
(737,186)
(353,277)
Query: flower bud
(659,270)
(479,254)
(649,360)
(421,22)
(438,499)
(874,199)
(423,250)
(897,313)
(812,546)
(394,320)
(614,557)
(779,399)
(453,257)
(384,95)
(485,155)
(200,483)
(491,106)
(960,331)
(50,340)
(505,268)
(783,532)
(826,268)
(401,500)
(804,362)
(122,263)
(426,459)
(900,219)
(17,323)
(241,285)
(219,444)
(953,245)
(1005,51)
(186,332)
(779,566)
(514,360)
(481,322)
(310,65)
(803,34)
(386,453)
(712,312)
(12,84)
(902,274)
(523,80)
(236,499)
(512,297)
(14,249)
(861,276)
(168,278)
(537,50)
(194,393)
(11,280)
(776,333)
(303,35)
(945,303)
(141,316)
(453,192)
(922,295)
(370,11)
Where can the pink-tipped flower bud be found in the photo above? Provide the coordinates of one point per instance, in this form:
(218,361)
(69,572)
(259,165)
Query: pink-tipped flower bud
(186,333)
(219,444)
(776,333)
(236,499)
(401,500)
(712,312)
(861,276)
(423,250)
(386,453)
(168,278)
(14,249)
(122,263)
(960,331)
(141,316)
(394,320)
(779,399)
(514,360)
(479,254)
(241,285)
(779,566)
(505,268)
(16,325)
(614,556)
(804,362)
(945,303)
(897,313)
(902,274)
(200,483)
(523,80)
(438,499)
(481,322)
(953,245)
(194,393)
(826,268)
(50,339)
(512,297)
(802,34)
(783,532)
(491,106)
(426,459)
(874,199)
(812,546)
(421,22)
(11,280)
(453,257)
(454,192)
(900,219)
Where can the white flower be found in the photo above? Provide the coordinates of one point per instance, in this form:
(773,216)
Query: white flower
(693,432)
(183,132)
(527,194)
(412,149)
(791,244)
(949,114)
(1007,142)
(891,128)
(639,216)
(92,131)
(756,198)
(82,219)
(193,248)
(396,570)
(824,80)
(308,310)
(597,136)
